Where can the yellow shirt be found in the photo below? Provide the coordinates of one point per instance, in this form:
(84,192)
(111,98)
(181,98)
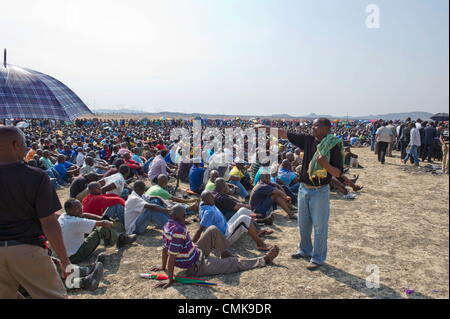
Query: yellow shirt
(236,172)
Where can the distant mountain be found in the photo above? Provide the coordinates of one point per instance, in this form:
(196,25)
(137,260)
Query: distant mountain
(389,116)
(119,111)
(400,116)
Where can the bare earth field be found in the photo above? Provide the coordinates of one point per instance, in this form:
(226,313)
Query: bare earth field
(400,223)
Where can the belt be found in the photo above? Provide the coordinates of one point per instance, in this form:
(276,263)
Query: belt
(313,187)
(10,243)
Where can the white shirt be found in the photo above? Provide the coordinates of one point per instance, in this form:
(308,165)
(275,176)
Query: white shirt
(384,134)
(86,169)
(80,159)
(134,207)
(73,231)
(415,137)
(118,180)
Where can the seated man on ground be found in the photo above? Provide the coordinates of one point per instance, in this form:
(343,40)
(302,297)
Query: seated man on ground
(211,186)
(139,212)
(110,206)
(196,177)
(160,191)
(236,175)
(80,183)
(195,260)
(266,195)
(90,167)
(238,225)
(115,184)
(65,169)
(136,168)
(351,159)
(75,225)
(159,166)
(227,204)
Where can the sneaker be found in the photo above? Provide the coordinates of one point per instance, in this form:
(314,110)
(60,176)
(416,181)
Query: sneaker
(92,281)
(299,256)
(349,196)
(313,266)
(101,258)
(125,240)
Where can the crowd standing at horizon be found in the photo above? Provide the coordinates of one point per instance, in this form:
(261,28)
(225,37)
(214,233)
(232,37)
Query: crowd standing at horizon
(109,164)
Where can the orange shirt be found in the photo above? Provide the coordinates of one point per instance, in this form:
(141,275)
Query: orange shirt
(30,155)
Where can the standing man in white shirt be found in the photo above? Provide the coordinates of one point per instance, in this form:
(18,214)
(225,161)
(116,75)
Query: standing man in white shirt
(384,137)
(139,213)
(414,145)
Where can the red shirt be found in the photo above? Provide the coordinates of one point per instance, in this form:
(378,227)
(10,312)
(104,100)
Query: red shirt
(96,204)
(161,147)
(132,164)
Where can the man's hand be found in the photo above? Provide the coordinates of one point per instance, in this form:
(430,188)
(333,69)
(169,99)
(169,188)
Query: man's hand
(64,267)
(322,160)
(157,268)
(164,283)
(106,223)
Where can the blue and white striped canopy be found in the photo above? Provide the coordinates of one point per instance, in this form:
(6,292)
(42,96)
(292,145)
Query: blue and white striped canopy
(28,94)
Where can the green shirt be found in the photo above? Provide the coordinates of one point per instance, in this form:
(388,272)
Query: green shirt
(47,163)
(210,186)
(157,190)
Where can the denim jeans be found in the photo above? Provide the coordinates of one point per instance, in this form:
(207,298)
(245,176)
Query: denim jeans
(58,177)
(147,165)
(314,212)
(413,152)
(294,188)
(242,191)
(147,217)
(373,143)
(54,181)
(117,212)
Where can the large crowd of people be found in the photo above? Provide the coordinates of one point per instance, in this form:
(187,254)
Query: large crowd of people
(124,175)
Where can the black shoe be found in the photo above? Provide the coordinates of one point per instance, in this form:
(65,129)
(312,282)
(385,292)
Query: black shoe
(299,256)
(101,258)
(313,266)
(92,281)
(125,240)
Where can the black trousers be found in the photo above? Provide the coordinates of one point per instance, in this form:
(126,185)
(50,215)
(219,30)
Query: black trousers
(382,149)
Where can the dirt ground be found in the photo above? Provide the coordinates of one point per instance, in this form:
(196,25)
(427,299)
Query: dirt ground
(399,225)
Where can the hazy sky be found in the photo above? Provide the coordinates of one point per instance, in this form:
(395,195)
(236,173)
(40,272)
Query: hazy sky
(237,56)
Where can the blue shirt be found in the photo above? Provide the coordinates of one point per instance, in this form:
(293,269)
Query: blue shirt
(62,169)
(286,176)
(137,158)
(212,216)
(196,177)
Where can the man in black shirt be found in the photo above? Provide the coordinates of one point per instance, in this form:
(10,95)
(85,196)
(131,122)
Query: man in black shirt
(28,204)
(314,193)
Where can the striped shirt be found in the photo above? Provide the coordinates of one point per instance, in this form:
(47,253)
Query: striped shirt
(178,242)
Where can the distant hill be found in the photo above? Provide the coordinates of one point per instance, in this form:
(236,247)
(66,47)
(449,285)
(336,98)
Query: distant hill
(389,116)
